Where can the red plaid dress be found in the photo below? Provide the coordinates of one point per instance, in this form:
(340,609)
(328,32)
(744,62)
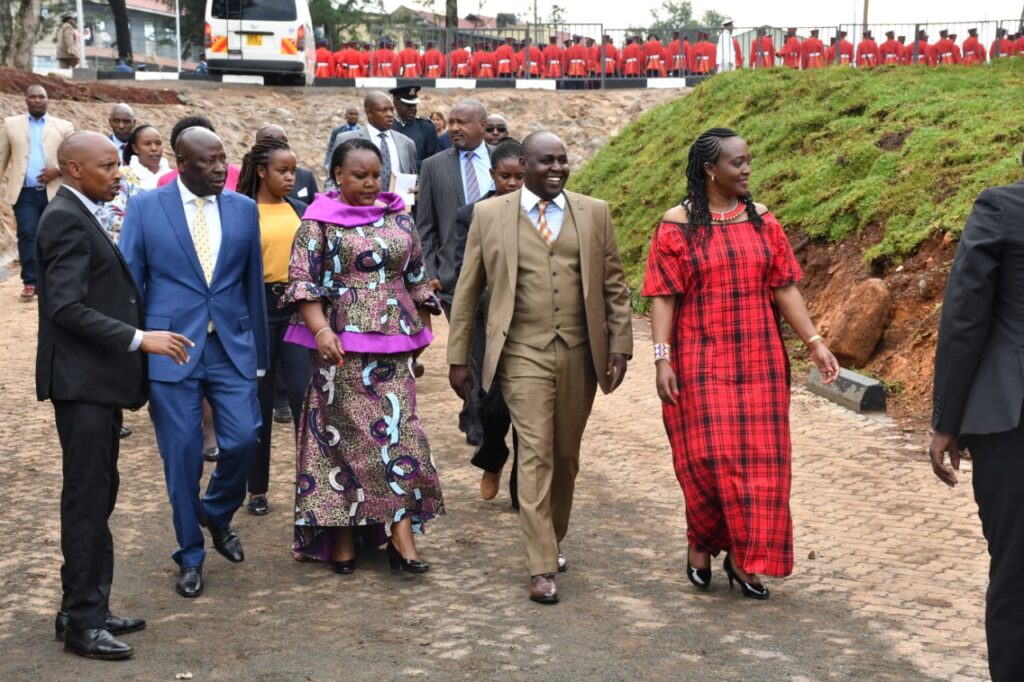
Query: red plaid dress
(729,429)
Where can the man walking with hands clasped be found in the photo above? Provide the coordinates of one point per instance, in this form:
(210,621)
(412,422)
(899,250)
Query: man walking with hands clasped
(558,326)
(89,363)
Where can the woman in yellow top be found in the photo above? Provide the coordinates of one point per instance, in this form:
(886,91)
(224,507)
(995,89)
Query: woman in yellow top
(268,177)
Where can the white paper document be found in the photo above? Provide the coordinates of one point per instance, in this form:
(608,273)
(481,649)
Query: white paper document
(404,184)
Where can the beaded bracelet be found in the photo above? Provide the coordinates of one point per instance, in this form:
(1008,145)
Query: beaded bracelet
(661,351)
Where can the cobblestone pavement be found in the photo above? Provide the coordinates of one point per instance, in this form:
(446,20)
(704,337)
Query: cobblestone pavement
(889,580)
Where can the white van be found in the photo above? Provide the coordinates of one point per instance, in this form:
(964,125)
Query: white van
(270,38)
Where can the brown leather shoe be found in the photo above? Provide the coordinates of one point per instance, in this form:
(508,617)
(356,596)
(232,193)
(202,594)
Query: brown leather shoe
(489,485)
(543,589)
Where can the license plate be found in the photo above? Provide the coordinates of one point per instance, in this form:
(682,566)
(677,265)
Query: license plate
(252,40)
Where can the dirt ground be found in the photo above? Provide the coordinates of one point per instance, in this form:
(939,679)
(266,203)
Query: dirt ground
(888,585)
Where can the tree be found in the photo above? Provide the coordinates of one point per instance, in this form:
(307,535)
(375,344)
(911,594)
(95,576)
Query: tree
(506,19)
(122,30)
(21,27)
(193,16)
(451,14)
(557,14)
(337,17)
(671,16)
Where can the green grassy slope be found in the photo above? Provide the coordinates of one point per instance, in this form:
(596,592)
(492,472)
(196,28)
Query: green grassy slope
(834,151)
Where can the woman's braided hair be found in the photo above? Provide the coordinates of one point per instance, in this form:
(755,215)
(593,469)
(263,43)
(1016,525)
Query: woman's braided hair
(708,149)
(259,155)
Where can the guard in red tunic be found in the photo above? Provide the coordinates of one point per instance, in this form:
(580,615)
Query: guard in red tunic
(845,50)
(458,61)
(890,52)
(339,61)
(324,60)
(1002,47)
(680,55)
(867,51)
(792,50)
(655,63)
(505,58)
(813,51)
(762,50)
(974,50)
(409,61)
(632,56)
(530,60)
(920,51)
(902,49)
(576,59)
(958,56)
(611,57)
(1018,44)
(482,62)
(385,61)
(943,52)
(554,59)
(433,61)
(593,58)
(703,55)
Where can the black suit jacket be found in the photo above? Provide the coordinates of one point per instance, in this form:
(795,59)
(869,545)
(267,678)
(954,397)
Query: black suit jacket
(305,186)
(463,219)
(89,310)
(979,361)
(441,195)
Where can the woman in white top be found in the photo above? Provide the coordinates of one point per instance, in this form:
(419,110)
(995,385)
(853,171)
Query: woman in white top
(144,164)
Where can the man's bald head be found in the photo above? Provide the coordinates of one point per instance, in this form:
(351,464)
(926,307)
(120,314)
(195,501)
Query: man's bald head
(380,110)
(473,107)
(271,130)
(375,98)
(202,163)
(122,121)
(466,123)
(540,140)
(89,163)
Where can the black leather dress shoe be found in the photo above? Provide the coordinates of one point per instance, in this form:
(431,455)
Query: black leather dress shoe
(258,505)
(283,415)
(227,543)
(211,454)
(115,625)
(125,432)
(190,582)
(96,643)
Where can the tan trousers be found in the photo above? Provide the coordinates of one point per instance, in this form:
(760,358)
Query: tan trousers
(549,395)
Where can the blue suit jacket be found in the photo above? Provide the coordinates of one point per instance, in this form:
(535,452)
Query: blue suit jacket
(157,245)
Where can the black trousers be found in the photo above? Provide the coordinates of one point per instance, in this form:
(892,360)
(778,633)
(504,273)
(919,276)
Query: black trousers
(89,438)
(492,453)
(293,360)
(469,417)
(998,481)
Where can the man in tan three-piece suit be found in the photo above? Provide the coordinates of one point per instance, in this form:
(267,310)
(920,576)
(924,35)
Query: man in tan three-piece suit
(558,326)
(28,160)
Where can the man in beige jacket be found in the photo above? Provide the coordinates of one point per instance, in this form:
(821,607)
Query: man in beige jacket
(28,162)
(68,47)
(558,326)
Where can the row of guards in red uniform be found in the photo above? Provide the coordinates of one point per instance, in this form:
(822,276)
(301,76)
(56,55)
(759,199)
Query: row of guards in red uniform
(811,53)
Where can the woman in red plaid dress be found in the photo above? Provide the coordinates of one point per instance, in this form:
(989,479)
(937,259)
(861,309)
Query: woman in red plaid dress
(720,271)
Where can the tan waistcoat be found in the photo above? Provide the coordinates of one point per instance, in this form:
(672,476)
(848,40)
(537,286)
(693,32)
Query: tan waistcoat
(549,288)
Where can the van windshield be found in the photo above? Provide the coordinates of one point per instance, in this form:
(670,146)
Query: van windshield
(266,10)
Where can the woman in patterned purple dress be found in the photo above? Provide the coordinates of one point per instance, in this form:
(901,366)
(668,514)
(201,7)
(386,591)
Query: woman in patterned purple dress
(358,278)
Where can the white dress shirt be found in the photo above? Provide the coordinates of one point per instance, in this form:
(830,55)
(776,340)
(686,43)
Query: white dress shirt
(392,147)
(212,213)
(554,213)
(98,211)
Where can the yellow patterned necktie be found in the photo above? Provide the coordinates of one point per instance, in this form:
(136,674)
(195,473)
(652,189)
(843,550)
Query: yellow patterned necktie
(201,240)
(542,222)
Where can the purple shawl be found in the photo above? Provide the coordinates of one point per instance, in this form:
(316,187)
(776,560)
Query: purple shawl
(328,207)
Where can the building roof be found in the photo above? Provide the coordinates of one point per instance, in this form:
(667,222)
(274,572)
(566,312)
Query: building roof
(470,21)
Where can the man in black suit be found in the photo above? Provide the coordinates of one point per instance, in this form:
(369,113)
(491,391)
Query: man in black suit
(977,402)
(89,365)
(454,178)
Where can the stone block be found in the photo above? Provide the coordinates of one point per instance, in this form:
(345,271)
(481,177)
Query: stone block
(851,390)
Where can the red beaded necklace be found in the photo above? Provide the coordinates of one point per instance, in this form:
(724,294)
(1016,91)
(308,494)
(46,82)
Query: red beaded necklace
(730,214)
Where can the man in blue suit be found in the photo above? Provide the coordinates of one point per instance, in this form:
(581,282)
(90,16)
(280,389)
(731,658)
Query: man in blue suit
(194,251)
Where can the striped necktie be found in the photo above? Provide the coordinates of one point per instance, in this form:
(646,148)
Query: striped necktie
(385,164)
(472,186)
(542,222)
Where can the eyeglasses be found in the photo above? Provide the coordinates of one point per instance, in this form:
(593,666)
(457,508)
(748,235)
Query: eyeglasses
(496,129)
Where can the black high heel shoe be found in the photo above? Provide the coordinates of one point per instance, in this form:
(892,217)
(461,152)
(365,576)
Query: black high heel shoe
(344,567)
(751,590)
(400,563)
(700,577)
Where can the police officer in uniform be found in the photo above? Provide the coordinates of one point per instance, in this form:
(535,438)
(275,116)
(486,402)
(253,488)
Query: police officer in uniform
(419,129)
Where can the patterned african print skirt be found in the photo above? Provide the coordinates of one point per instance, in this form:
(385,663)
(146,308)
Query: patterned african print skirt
(363,459)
